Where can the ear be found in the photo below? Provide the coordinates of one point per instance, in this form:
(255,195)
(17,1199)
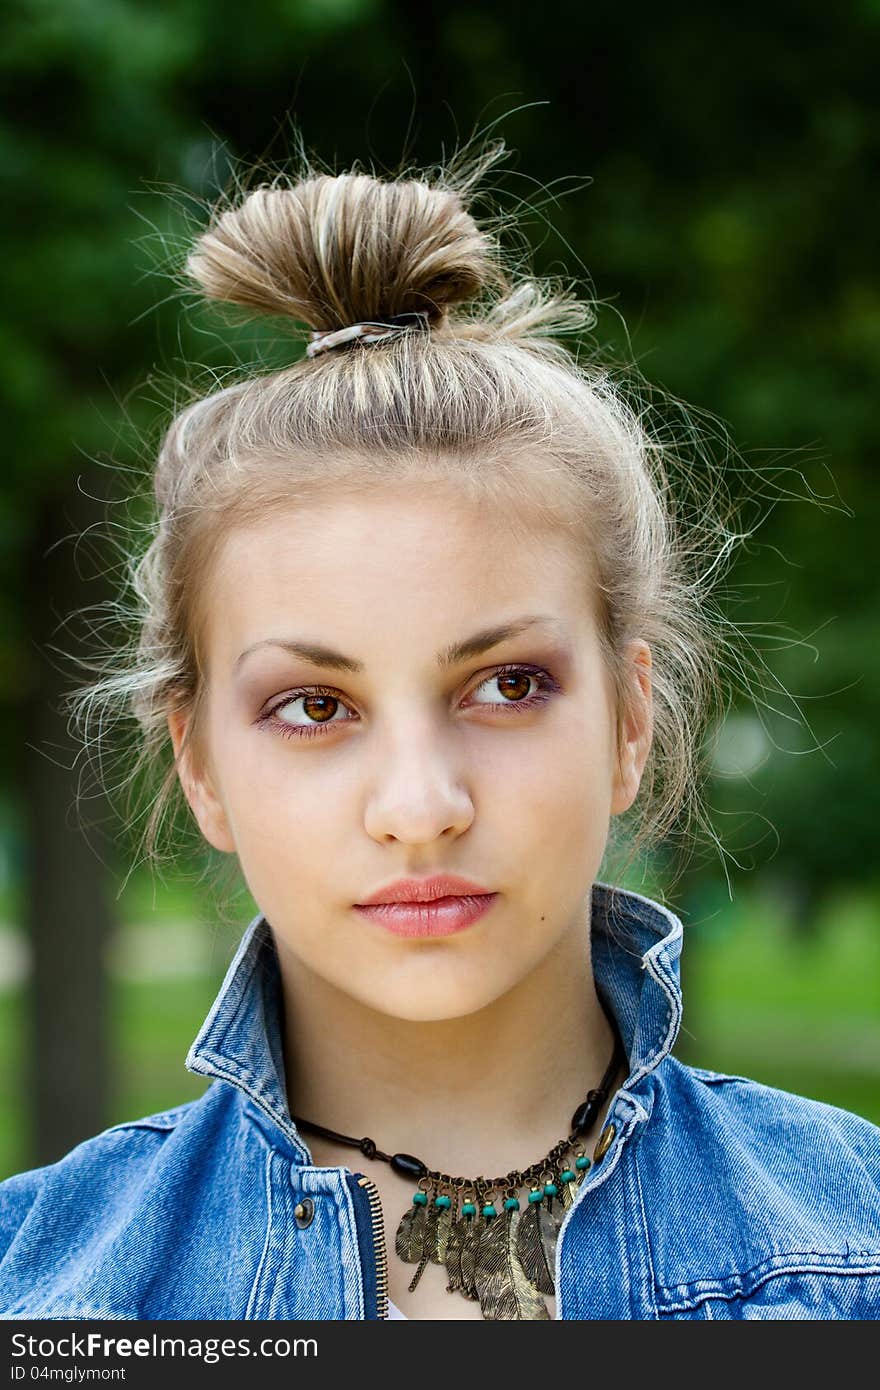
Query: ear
(198,788)
(638,730)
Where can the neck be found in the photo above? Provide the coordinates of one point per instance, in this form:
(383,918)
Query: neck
(486,1093)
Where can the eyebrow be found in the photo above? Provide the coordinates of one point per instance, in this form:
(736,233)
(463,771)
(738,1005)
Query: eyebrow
(480,642)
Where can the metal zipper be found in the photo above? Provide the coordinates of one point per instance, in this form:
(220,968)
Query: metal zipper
(378,1222)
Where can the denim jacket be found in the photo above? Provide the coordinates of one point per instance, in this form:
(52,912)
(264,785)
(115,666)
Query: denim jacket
(717,1197)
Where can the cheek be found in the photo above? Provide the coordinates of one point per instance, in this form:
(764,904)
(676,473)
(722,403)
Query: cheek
(282,813)
(550,770)
(546,815)
(559,794)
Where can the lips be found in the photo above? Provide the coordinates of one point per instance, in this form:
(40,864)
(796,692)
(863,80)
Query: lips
(426,890)
(435,906)
(439,917)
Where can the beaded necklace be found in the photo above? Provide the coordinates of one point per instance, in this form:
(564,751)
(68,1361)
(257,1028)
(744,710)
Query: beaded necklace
(504,1259)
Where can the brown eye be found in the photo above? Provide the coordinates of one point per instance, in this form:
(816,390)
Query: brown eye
(316,708)
(320,707)
(514,686)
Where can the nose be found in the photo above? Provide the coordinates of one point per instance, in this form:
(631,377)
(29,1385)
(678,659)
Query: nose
(418,792)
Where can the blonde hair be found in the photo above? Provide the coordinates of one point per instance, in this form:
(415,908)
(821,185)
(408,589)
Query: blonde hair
(489,397)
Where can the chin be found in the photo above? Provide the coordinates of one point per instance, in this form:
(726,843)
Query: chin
(433,1004)
(417,1012)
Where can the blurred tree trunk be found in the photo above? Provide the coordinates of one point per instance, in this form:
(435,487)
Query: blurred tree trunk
(68,917)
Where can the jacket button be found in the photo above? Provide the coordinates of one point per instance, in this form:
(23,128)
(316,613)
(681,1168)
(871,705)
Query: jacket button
(606,1139)
(303,1212)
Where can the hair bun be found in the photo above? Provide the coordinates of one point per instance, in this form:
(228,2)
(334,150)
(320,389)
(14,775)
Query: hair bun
(333,250)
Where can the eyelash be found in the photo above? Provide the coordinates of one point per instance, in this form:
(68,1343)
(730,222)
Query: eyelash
(547,686)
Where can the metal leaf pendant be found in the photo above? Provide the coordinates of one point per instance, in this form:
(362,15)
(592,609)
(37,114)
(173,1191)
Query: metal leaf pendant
(566,1193)
(416,1238)
(568,1190)
(411,1233)
(537,1230)
(503,1287)
(470,1248)
(428,1245)
(556,1210)
(460,1238)
(442,1229)
(552,1224)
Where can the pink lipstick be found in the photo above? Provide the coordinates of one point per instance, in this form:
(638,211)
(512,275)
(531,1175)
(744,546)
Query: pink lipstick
(435,906)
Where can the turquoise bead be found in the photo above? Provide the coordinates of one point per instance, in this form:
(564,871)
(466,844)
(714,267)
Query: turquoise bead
(420,1199)
(511,1204)
(443,1201)
(537,1196)
(489,1209)
(567,1175)
(467,1209)
(582,1161)
(551,1189)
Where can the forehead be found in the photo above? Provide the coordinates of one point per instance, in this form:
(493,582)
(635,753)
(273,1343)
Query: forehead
(402,568)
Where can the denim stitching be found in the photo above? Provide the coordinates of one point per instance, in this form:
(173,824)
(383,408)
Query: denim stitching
(607,1170)
(220,1064)
(242,949)
(761,1278)
(85,1314)
(243,994)
(352,1236)
(647,1235)
(224,1074)
(673,1019)
(248,1312)
(590,1184)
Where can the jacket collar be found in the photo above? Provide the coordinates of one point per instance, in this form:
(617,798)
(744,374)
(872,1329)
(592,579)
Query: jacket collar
(635,942)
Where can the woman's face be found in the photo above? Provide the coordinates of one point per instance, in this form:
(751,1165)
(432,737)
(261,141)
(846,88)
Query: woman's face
(387,755)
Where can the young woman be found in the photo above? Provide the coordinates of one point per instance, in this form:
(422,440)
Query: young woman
(421,623)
